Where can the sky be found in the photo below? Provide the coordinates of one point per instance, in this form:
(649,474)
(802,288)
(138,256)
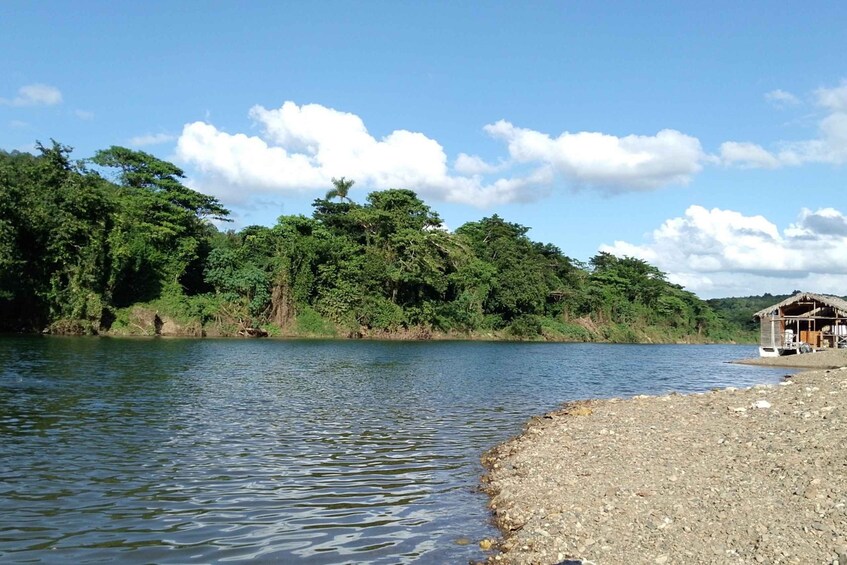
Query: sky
(709,139)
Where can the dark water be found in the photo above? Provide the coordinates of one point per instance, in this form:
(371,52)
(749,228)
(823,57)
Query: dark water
(190,451)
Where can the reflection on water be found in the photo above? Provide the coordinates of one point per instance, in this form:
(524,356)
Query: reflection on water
(285,451)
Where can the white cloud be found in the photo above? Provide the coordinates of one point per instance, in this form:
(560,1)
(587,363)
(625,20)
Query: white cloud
(84,114)
(781,99)
(474,165)
(834,99)
(825,222)
(606,162)
(18,124)
(829,147)
(300,148)
(151,139)
(747,155)
(35,95)
(722,252)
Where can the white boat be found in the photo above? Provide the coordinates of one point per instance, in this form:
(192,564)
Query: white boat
(769,352)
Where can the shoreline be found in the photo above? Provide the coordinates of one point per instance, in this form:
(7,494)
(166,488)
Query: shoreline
(753,475)
(413,334)
(831,359)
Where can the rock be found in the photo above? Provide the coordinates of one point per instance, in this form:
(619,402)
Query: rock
(761,404)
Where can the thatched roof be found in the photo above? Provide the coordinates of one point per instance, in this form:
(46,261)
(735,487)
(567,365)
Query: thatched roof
(839,304)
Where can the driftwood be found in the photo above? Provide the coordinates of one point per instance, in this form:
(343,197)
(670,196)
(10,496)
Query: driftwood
(245,331)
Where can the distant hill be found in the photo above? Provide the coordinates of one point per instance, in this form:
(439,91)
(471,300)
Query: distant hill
(739,311)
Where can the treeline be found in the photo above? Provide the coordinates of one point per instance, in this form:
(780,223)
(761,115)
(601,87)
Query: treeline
(739,311)
(118,244)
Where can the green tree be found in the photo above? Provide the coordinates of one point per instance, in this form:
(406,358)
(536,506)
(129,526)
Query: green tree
(55,221)
(341,187)
(74,246)
(161,234)
(521,286)
(142,171)
(403,234)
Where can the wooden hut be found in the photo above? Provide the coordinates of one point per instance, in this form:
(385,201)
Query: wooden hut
(805,322)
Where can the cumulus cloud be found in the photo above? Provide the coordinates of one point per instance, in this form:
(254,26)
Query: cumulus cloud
(151,139)
(301,147)
(821,224)
(723,252)
(606,162)
(829,147)
(781,99)
(35,95)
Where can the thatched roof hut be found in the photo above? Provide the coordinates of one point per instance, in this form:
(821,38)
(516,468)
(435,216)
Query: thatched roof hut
(805,321)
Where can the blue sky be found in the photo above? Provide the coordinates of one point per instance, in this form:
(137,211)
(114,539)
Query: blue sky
(707,138)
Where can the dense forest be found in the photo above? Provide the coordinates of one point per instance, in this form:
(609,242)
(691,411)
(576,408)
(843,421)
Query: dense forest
(739,311)
(117,244)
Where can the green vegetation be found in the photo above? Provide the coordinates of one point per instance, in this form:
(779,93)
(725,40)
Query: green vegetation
(117,244)
(739,311)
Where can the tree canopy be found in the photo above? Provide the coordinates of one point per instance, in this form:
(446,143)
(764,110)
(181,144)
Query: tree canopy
(86,245)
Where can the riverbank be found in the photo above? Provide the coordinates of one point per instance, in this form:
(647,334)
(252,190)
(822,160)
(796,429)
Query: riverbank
(831,359)
(152,320)
(731,476)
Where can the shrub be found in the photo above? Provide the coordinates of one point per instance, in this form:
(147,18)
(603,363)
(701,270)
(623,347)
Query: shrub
(379,313)
(525,327)
(310,323)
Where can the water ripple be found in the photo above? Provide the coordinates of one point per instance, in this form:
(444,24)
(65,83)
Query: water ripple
(175,451)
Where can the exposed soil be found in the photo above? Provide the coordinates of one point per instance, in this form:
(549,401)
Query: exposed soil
(731,476)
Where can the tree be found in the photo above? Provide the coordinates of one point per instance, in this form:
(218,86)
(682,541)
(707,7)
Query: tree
(75,248)
(161,236)
(140,170)
(53,239)
(341,187)
(389,211)
(520,286)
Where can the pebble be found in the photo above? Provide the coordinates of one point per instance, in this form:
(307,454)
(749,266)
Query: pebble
(709,479)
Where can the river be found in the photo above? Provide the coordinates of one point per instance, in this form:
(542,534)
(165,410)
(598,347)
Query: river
(191,451)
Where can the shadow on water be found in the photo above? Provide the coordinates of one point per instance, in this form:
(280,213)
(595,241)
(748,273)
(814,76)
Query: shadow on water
(166,450)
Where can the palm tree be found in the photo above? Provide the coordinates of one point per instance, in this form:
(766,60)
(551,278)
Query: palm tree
(342,187)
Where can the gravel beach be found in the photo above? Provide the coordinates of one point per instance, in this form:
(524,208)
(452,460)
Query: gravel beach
(730,476)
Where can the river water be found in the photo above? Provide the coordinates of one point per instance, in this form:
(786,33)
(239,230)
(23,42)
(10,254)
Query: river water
(191,451)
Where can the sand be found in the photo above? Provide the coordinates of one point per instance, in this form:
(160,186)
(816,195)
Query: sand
(830,359)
